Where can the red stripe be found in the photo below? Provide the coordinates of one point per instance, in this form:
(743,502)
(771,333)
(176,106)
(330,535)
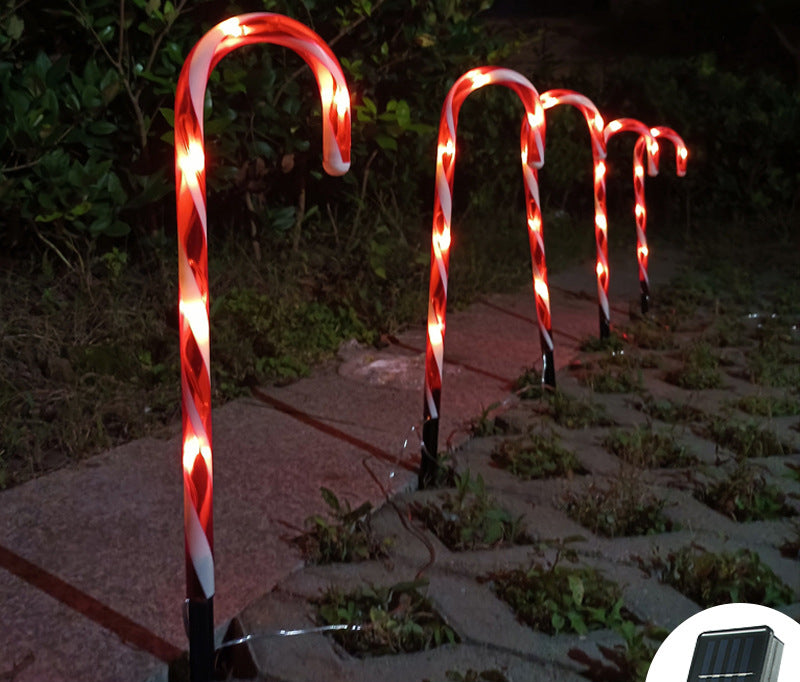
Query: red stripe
(330,430)
(127,630)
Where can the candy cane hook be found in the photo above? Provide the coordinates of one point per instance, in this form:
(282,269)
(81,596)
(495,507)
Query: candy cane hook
(601,218)
(193,277)
(532,154)
(640,210)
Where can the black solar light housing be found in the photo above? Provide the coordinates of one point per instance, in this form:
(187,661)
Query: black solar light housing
(741,655)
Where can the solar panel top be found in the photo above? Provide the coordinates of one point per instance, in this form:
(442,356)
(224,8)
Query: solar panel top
(740,655)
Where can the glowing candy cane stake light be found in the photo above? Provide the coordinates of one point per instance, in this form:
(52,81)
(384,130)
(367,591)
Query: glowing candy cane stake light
(596,125)
(601,218)
(640,210)
(532,154)
(193,272)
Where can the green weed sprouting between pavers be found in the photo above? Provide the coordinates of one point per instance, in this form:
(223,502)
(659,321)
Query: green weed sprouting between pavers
(628,662)
(647,334)
(469,519)
(558,599)
(623,508)
(396,619)
(768,405)
(745,495)
(743,439)
(574,413)
(642,446)
(666,410)
(536,455)
(615,373)
(348,538)
(700,369)
(711,579)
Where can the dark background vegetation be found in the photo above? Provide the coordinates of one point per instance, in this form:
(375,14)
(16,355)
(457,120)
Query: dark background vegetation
(300,261)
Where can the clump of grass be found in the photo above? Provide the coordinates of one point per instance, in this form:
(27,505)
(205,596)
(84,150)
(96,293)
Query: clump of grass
(348,538)
(629,661)
(595,344)
(669,411)
(573,413)
(624,508)
(528,386)
(768,405)
(537,455)
(700,369)
(774,364)
(617,373)
(469,518)
(745,495)
(726,332)
(471,675)
(747,439)
(642,446)
(790,547)
(648,334)
(559,599)
(486,425)
(392,620)
(712,579)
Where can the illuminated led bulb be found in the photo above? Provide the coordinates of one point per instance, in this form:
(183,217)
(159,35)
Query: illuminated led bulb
(599,171)
(535,224)
(644,252)
(480,79)
(197,317)
(601,222)
(436,333)
(614,126)
(638,171)
(342,101)
(232,28)
(193,161)
(639,210)
(547,101)
(541,290)
(600,269)
(443,240)
(683,153)
(536,118)
(598,123)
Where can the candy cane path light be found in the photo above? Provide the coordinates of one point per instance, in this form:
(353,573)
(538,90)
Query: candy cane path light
(601,216)
(640,209)
(596,125)
(190,185)
(532,155)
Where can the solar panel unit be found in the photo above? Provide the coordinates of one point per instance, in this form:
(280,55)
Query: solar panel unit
(740,655)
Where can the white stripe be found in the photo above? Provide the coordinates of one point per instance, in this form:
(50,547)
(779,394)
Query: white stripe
(434,413)
(199,549)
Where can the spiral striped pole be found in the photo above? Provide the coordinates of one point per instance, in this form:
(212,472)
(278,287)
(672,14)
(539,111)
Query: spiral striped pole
(190,185)
(596,125)
(532,154)
(640,209)
(601,217)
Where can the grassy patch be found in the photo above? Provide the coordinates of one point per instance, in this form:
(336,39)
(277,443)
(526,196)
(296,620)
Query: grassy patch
(774,364)
(669,411)
(747,439)
(486,425)
(559,599)
(491,675)
(573,413)
(700,369)
(396,619)
(623,508)
(537,455)
(712,579)
(349,538)
(614,374)
(628,662)
(768,405)
(648,334)
(745,495)
(469,519)
(528,386)
(594,344)
(643,446)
